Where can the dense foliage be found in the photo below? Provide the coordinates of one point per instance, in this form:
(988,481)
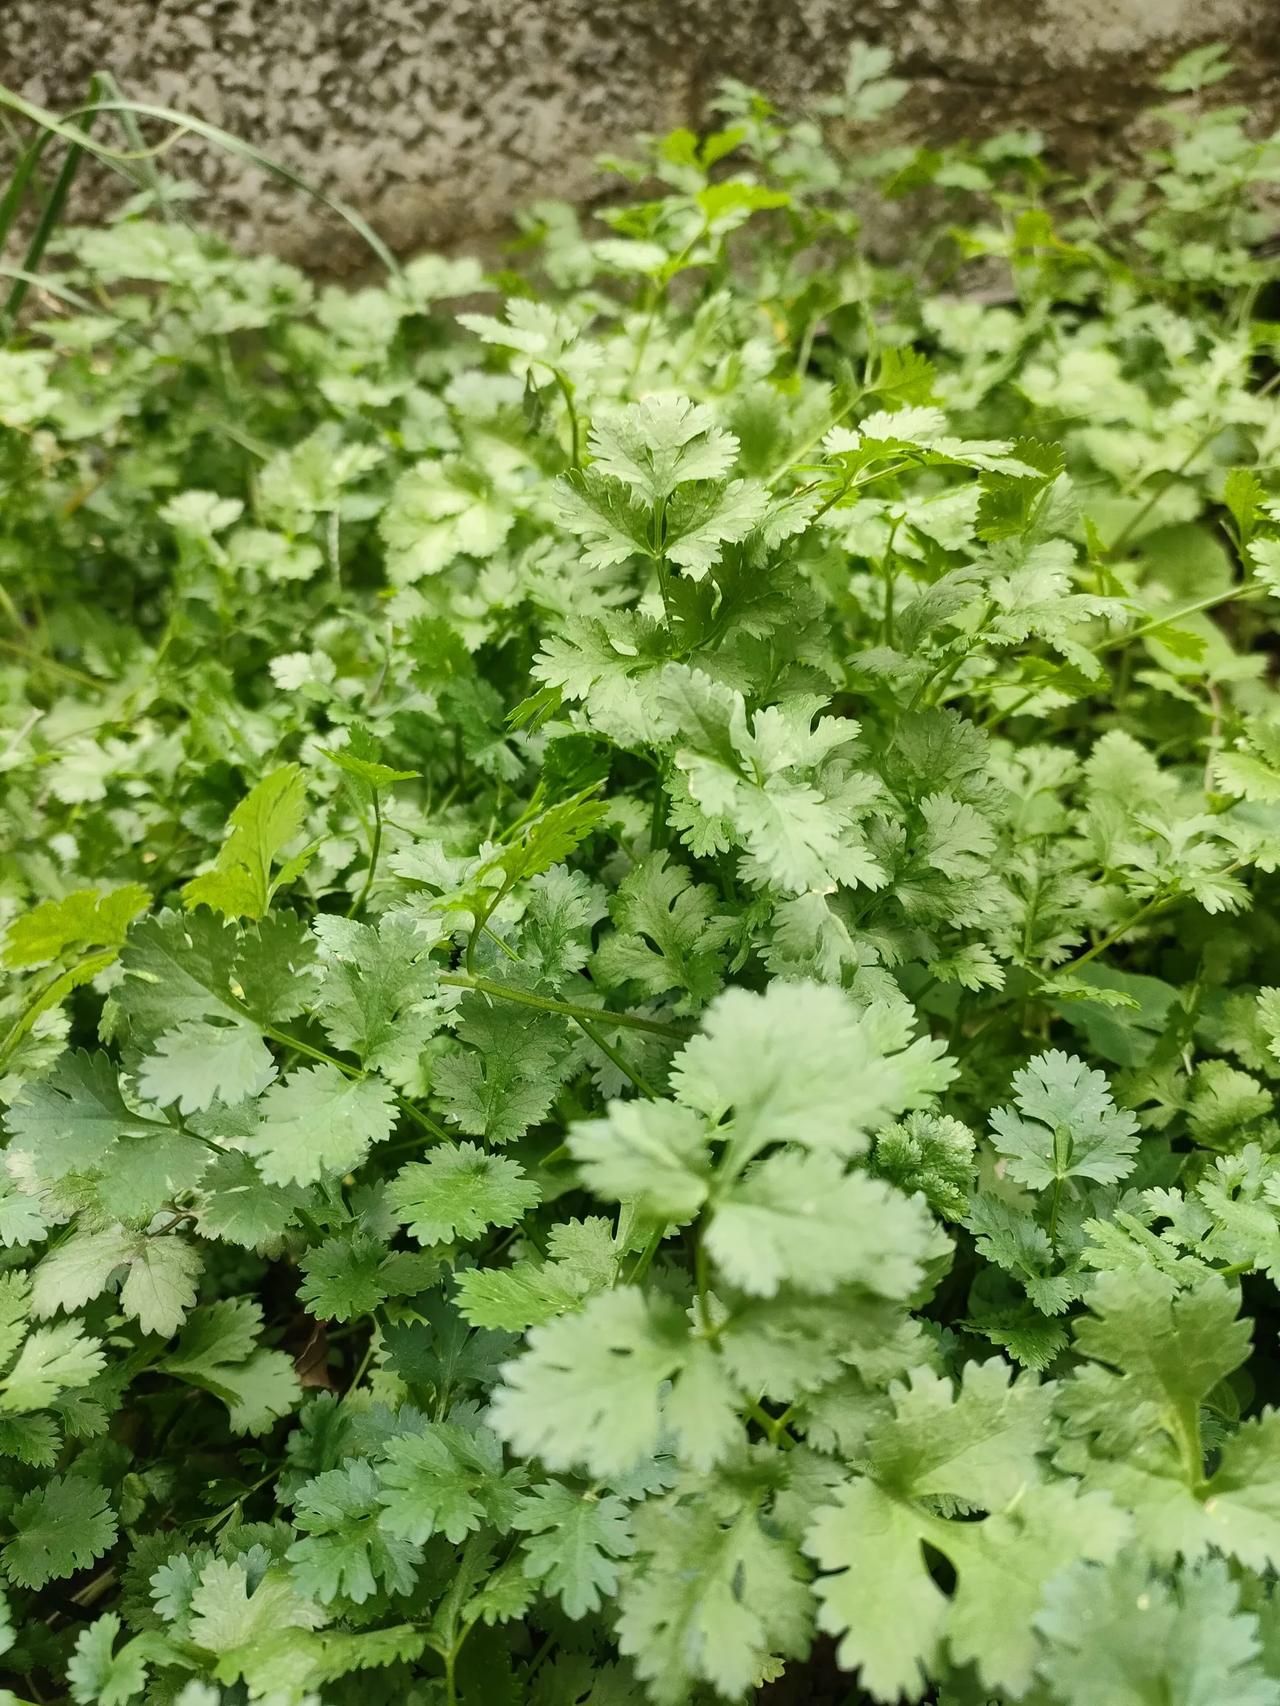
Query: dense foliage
(639,1034)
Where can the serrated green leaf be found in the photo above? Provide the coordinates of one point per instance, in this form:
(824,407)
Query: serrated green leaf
(576,1542)
(315,1121)
(458,1192)
(269,817)
(57,1529)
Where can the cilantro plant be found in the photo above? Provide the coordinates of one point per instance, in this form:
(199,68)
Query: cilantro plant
(641,1015)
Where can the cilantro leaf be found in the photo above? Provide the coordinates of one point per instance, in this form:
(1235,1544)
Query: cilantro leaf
(505,1077)
(583,1258)
(219,1351)
(270,816)
(802,1220)
(784,1061)
(57,1529)
(931,1153)
(711,1594)
(52,1360)
(446,1479)
(458,1192)
(979,1447)
(661,443)
(576,1542)
(87,918)
(669,936)
(1064,1126)
(196,1063)
(375,997)
(1191,1644)
(591,1388)
(73,1120)
(344,1552)
(315,1121)
(344,1277)
(100,1675)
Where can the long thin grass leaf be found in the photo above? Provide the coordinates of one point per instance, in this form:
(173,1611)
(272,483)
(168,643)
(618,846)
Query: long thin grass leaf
(49,214)
(211,133)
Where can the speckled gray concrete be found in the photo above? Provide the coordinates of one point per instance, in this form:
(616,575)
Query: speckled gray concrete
(436,117)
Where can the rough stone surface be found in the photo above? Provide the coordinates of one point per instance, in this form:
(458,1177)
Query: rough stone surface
(437,117)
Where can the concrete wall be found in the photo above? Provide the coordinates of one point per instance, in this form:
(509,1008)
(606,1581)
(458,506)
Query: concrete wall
(436,117)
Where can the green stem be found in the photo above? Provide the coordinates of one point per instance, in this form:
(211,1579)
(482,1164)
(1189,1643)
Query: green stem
(566,391)
(423,1121)
(888,567)
(660,562)
(1243,589)
(857,485)
(311,1052)
(333,544)
(774,1427)
(1141,514)
(481,923)
(10,609)
(935,684)
(366,1359)
(1114,936)
(375,847)
(1054,1205)
(11,201)
(645,1259)
(176,1220)
(779,1429)
(658,814)
(569,1009)
(503,946)
(702,1280)
(664,589)
(756,1410)
(49,216)
(799,455)
(535,1664)
(1186,1430)
(615,1055)
(228,1511)
(37,660)
(658,295)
